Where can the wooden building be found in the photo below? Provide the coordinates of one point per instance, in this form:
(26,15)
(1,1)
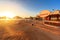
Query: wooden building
(55,16)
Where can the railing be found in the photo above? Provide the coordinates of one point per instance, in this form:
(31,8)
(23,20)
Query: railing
(54,23)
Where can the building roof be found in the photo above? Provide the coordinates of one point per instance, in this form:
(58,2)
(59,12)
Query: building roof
(45,13)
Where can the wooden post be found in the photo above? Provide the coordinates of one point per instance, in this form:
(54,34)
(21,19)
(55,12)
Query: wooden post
(57,17)
(43,20)
(49,17)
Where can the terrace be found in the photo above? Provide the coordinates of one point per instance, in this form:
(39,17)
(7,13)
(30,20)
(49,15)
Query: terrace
(53,19)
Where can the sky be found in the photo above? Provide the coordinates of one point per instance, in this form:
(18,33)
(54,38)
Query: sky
(26,8)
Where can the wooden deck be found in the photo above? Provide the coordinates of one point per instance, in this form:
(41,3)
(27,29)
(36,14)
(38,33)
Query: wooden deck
(54,23)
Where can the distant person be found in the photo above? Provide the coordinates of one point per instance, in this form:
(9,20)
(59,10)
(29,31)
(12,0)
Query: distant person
(32,24)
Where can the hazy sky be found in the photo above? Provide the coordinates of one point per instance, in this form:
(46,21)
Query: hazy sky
(32,7)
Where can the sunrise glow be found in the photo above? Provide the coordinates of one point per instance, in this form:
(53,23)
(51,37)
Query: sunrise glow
(7,14)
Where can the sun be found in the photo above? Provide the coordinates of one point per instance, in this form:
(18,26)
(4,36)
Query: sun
(8,14)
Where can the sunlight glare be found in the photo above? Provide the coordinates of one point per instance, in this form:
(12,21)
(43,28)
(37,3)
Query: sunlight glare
(7,14)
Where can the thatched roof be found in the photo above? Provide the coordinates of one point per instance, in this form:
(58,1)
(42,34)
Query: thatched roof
(44,13)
